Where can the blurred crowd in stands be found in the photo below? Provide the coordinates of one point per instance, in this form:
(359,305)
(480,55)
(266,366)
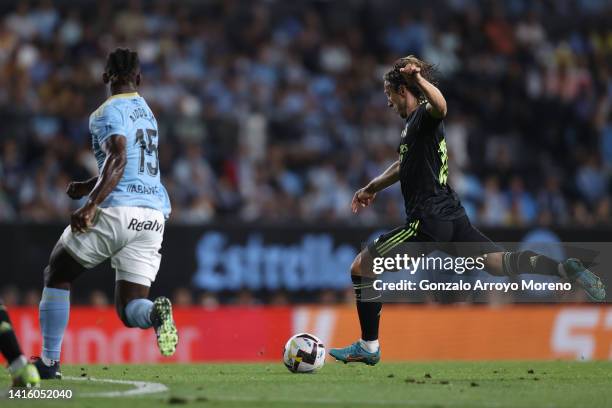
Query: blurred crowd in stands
(274,110)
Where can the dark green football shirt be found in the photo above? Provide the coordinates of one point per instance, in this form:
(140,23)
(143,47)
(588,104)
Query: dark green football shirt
(424,169)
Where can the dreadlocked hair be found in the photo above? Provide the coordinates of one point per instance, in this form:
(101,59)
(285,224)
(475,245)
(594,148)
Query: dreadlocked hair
(397,79)
(122,66)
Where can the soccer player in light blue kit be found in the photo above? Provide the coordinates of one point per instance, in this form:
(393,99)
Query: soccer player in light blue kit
(122,219)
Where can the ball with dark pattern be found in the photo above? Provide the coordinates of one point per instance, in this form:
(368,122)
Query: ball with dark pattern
(304,353)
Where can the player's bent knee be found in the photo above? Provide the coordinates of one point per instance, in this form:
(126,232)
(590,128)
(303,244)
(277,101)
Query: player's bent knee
(361,265)
(129,287)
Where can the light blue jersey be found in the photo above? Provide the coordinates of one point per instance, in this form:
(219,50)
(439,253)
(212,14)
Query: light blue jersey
(129,115)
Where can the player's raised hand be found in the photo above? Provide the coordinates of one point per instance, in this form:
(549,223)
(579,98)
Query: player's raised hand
(77,189)
(362,198)
(410,71)
(82,219)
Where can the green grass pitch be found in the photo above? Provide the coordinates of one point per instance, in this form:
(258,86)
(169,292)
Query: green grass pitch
(552,384)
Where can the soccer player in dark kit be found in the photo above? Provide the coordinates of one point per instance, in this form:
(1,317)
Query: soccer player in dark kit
(433,210)
(23,373)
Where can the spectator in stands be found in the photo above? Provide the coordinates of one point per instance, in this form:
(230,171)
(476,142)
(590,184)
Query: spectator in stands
(259,118)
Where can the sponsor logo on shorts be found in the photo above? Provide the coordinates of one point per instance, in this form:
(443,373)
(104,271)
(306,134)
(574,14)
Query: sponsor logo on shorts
(137,225)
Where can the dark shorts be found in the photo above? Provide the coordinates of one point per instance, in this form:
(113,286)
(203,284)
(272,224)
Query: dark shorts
(455,237)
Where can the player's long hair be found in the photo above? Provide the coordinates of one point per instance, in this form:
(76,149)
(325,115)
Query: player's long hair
(122,66)
(397,79)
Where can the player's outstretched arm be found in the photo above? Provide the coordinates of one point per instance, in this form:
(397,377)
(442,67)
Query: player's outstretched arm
(436,104)
(364,196)
(111,173)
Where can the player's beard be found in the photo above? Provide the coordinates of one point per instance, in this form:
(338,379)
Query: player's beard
(401,109)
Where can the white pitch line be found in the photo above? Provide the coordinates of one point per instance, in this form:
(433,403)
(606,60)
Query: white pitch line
(142,387)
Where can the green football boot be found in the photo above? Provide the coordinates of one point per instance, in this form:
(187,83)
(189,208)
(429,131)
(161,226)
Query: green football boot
(165,329)
(575,271)
(355,353)
(27,376)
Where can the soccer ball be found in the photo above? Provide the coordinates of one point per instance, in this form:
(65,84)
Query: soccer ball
(304,353)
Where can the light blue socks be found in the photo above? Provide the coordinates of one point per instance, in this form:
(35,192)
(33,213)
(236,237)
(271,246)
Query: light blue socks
(138,313)
(53,313)
(54,310)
